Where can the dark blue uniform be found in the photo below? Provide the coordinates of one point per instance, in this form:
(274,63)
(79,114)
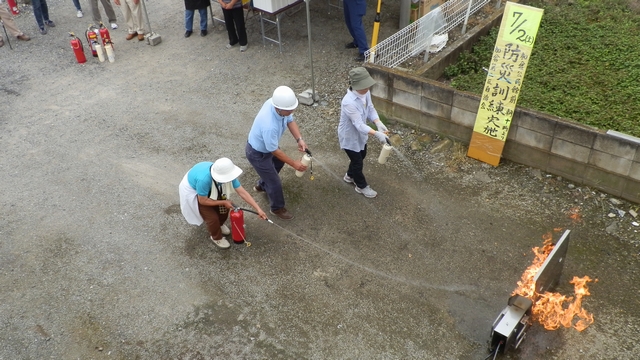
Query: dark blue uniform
(354,10)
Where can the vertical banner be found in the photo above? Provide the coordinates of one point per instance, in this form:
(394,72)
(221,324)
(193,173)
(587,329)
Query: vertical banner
(511,52)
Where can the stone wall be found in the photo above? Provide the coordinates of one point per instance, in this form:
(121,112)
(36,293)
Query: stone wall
(609,161)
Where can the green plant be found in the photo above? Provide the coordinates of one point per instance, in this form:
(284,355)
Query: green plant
(585,65)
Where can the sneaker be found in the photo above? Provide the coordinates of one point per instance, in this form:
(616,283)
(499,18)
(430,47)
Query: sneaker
(360,58)
(351,45)
(225,229)
(114,26)
(43,31)
(282,214)
(50,23)
(229,46)
(243,48)
(367,192)
(347,179)
(258,188)
(79,13)
(222,243)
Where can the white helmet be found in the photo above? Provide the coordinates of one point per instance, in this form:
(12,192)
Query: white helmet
(223,170)
(284,98)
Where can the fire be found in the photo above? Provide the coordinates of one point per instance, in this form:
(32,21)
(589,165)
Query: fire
(574,214)
(553,310)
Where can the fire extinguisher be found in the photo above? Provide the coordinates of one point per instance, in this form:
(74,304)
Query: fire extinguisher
(13,6)
(104,35)
(237,225)
(92,39)
(78,50)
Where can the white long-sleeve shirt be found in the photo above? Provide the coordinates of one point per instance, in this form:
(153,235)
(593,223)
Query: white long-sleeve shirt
(354,114)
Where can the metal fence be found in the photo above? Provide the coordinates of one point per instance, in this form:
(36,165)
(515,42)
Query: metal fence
(417,36)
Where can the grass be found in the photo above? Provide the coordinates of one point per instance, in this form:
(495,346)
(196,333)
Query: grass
(585,64)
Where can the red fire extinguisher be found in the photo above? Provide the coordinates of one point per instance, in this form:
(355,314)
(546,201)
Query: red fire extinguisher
(76,45)
(92,40)
(13,7)
(237,225)
(104,35)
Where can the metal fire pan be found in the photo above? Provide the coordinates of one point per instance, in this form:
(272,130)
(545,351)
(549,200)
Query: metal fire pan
(549,274)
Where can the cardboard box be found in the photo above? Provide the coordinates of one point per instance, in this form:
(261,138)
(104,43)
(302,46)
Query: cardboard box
(428,5)
(270,6)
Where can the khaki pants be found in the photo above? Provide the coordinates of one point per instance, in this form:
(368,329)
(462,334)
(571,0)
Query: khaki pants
(7,20)
(133,16)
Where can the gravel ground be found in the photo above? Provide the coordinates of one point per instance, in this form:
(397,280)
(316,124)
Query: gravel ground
(96,261)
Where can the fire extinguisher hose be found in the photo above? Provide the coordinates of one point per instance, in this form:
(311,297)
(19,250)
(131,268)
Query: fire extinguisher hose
(247,210)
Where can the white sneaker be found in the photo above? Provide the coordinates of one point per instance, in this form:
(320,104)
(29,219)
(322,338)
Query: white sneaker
(222,243)
(225,229)
(243,48)
(79,13)
(114,26)
(368,192)
(347,179)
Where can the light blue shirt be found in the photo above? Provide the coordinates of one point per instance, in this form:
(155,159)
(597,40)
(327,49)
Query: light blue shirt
(200,179)
(267,128)
(354,114)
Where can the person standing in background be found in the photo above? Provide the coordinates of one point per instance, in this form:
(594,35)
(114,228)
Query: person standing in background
(354,10)
(41,12)
(190,6)
(108,9)
(10,24)
(76,3)
(234,21)
(132,12)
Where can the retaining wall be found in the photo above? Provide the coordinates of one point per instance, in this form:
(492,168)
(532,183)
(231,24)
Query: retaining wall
(608,161)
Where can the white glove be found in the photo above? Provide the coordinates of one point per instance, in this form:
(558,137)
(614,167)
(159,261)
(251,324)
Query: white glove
(381,137)
(381,126)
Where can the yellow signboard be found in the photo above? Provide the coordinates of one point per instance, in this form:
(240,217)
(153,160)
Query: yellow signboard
(512,50)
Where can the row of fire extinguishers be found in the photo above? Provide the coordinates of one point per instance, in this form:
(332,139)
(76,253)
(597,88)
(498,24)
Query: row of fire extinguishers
(99,41)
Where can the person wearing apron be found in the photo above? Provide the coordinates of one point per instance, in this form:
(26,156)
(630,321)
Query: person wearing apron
(204,192)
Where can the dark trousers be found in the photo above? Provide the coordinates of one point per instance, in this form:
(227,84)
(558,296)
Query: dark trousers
(355,166)
(268,168)
(234,21)
(41,12)
(354,10)
(213,219)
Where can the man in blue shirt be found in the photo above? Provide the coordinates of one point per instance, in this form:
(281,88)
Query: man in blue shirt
(204,192)
(263,150)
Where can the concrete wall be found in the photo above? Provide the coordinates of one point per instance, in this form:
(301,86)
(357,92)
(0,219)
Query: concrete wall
(608,161)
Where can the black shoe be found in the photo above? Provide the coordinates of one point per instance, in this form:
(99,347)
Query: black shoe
(203,32)
(188,33)
(351,45)
(360,58)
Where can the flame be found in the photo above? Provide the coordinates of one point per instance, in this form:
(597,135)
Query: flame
(574,214)
(553,310)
